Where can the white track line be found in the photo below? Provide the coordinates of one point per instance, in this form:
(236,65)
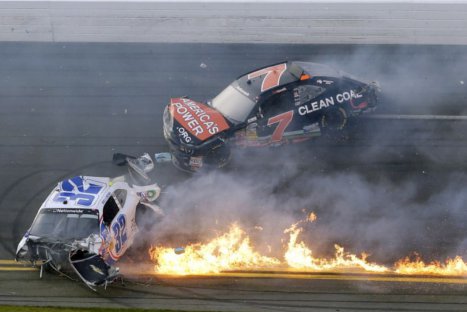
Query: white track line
(417,117)
(260,1)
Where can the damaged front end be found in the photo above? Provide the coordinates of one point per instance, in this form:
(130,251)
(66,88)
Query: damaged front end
(68,257)
(196,134)
(87,223)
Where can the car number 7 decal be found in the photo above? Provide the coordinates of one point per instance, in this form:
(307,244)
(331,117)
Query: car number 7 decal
(284,120)
(272,78)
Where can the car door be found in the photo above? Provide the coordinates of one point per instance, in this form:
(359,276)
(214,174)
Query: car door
(118,223)
(275,117)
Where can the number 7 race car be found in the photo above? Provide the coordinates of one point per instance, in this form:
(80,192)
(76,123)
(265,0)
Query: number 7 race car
(87,223)
(284,103)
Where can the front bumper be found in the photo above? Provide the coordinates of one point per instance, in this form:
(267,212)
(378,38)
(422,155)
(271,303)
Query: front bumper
(68,258)
(213,153)
(181,155)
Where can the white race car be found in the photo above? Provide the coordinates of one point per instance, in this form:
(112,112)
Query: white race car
(87,223)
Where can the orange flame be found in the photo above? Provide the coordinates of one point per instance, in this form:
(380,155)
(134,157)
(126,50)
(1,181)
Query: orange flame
(452,266)
(312,217)
(233,250)
(299,256)
(229,251)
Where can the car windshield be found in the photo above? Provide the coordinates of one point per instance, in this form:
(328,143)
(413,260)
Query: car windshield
(233,104)
(63,224)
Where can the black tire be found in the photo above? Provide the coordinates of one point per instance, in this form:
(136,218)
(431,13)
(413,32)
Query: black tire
(218,157)
(334,120)
(334,124)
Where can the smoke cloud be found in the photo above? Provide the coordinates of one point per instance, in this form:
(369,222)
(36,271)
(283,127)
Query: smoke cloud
(391,188)
(389,216)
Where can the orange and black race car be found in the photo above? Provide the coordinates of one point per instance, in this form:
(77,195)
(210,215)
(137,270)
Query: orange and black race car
(287,102)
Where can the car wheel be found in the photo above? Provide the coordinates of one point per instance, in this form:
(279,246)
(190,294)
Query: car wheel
(334,120)
(219,156)
(334,124)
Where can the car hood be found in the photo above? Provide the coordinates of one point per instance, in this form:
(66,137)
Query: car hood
(79,256)
(193,122)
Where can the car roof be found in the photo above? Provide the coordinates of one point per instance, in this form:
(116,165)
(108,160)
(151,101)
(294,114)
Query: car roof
(315,69)
(252,84)
(292,73)
(83,192)
(322,70)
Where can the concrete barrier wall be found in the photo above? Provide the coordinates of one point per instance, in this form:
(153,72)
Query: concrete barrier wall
(390,23)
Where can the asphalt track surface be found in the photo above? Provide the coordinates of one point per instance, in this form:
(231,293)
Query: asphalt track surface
(66,108)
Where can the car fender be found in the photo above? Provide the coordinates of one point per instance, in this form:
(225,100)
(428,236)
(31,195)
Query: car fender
(147,193)
(22,248)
